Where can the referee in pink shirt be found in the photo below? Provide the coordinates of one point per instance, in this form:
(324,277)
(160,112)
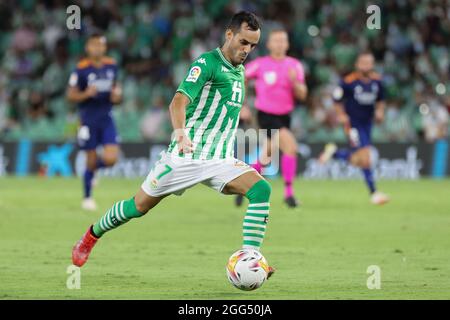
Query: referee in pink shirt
(279,80)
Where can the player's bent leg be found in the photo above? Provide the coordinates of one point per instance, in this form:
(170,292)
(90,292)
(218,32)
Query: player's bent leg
(355,159)
(376,197)
(288,146)
(257,190)
(145,202)
(108,159)
(109,142)
(91,158)
(110,154)
(242,184)
(123,211)
(120,213)
(362,160)
(263,160)
(330,151)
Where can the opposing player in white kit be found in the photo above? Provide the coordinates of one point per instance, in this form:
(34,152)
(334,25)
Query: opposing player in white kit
(205,115)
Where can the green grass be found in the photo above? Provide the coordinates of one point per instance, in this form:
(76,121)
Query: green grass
(179,250)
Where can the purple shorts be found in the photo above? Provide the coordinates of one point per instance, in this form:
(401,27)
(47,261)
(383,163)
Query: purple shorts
(94,134)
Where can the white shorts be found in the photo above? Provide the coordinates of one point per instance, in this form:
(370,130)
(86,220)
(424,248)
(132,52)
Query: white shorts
(173,174)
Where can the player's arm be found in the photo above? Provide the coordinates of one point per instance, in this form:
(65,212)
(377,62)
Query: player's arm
(116,93)
(379,111)
(74,94)
(342,116)
(297,77)
(300,90)
(380,105)
(338,98)
(199,73)
(116,90)
(177,110)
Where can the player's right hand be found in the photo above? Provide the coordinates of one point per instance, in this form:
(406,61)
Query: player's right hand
(90,91)
(344,120)
(184,143)
(379,115)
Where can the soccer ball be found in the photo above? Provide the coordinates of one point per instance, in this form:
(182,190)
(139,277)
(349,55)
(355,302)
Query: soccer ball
(247,269)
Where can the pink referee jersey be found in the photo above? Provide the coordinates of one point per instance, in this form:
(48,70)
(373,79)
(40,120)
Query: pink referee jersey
(274,89)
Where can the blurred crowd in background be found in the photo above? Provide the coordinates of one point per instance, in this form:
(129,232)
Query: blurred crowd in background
(155,41)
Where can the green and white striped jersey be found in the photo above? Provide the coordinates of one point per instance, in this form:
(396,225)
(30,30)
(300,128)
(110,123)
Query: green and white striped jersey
(216,91)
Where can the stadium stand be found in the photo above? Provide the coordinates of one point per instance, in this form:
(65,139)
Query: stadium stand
(154,42)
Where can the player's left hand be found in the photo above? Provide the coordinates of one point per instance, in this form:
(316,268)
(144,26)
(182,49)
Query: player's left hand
(379,116)
(116,94)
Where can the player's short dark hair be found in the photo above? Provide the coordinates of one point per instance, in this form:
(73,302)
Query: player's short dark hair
(244,16)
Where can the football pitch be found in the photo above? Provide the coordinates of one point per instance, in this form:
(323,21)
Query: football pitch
(179,250)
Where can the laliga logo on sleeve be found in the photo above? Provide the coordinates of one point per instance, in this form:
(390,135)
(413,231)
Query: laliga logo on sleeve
(194,73)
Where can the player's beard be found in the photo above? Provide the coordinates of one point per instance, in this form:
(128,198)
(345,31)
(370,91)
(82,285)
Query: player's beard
(238,57)
(242,57)
(237,60)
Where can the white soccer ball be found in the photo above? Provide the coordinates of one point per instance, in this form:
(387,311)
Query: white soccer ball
(247,269)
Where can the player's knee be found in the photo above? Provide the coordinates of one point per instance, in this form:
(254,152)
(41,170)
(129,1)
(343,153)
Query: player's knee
(110,160)
(141,206)
(359,159)
(355,160)
(145,203)
(91,165)
(291,151)
(259,192)
(266,189)
(365,163)
(365,159)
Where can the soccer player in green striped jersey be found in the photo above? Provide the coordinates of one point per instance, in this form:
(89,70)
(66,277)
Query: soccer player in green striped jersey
(204,114)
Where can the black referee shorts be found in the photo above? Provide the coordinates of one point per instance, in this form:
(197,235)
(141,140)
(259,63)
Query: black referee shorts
(273,121)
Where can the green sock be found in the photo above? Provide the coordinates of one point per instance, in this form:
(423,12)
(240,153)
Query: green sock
(255,220)
(120,213)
